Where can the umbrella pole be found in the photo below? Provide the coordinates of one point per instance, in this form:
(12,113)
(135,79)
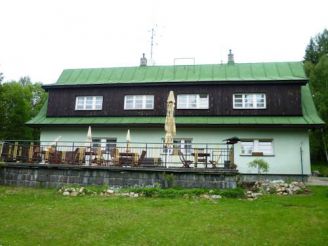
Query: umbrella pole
(166,156)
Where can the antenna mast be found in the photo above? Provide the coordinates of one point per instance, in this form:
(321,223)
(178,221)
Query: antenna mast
(152,44)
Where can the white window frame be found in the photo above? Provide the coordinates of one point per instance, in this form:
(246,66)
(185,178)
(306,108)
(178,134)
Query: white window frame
(188,101)
(254,101)
(105,143)
(134,99)
(84,104)
(182,144)
(256,146)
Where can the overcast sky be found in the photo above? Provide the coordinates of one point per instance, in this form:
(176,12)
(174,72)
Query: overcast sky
(40,38)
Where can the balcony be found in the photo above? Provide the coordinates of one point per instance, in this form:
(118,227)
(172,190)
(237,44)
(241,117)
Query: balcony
(195,156)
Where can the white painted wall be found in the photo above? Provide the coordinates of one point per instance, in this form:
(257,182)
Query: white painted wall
(286,142)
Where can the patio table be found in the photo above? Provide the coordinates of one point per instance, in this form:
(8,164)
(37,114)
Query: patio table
(200,157)
(129,158)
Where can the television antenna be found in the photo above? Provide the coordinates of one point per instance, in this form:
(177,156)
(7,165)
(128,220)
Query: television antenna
(153,43)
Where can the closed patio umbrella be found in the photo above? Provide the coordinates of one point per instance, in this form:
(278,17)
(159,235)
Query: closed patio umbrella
(89,137)
(87,150)
(170,128)
(128,141)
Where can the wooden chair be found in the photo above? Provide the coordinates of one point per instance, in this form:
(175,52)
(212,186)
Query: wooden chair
(34,153)
(115,156)
(99,160)
(216,162)
(200,157)
(142,157)
(7,152)
(185,162)
(79,156)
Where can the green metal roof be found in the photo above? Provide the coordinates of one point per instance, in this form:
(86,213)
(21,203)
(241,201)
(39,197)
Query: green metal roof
(271,71)
(310,118)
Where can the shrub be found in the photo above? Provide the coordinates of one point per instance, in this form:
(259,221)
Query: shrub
(260,164)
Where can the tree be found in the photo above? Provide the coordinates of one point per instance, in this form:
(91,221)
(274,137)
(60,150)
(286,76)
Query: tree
(317,47)
(20,101)
(316,68)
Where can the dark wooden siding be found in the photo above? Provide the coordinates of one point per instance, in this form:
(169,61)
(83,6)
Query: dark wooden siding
(281,100)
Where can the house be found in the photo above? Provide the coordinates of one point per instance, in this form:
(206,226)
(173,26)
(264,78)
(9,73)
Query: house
(268,106)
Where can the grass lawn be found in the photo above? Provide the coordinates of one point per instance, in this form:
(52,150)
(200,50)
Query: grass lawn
(44,217)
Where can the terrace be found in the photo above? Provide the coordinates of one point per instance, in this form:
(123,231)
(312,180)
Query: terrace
(200,156)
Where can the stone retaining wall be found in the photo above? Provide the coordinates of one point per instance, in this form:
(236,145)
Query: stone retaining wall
(37,175)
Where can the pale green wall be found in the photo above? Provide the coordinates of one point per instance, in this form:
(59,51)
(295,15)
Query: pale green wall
(287,142)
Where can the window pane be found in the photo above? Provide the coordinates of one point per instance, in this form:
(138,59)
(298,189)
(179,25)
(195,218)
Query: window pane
(265,147)
(98,102)
(203,101)
(187,146)
(182,101)
(238,101)
(149,102)
(248,99)
(111,144)
(138,102)
(260,100)
(95,142)
(247,147)
(192,103)
(128,102)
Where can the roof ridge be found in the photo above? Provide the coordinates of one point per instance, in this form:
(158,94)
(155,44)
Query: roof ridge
(188,65)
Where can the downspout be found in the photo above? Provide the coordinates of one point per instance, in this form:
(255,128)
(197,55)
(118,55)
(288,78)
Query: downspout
(301,154)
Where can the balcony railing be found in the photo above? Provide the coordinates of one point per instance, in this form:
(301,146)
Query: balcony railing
(136,154)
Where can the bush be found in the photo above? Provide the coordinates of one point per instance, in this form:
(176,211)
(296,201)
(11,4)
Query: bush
(260,164)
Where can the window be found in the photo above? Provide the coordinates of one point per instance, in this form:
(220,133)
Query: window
(249,101)
(89,103)
(182,144)
(139,102)
(106,144)
(192,101)
(185,145)
(250,147)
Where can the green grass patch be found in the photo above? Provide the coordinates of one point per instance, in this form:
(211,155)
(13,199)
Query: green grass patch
(44,217)
(322,167)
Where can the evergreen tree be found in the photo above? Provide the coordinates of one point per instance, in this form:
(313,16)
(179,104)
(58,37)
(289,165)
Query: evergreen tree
(316,68)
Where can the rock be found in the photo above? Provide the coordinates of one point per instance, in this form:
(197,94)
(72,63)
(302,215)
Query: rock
(65,193)
(205,196)
(257,194)
(216,196)
(109,191)
(278,181)
(74,193)
(81,190)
